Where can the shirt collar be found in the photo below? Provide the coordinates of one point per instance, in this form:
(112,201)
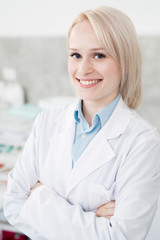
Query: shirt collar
(78,112)
(104,114)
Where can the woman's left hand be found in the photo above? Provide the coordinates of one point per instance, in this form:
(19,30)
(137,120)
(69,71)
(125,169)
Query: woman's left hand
(38,184)
(106,210)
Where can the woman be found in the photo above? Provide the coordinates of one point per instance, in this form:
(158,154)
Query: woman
(80,157)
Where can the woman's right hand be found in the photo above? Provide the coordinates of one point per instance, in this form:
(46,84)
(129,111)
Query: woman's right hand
(106,210)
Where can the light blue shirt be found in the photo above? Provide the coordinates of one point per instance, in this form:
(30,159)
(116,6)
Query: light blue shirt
(85,133)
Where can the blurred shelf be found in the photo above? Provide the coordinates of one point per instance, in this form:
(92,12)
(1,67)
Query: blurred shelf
(7,227)
(4,225)
(4,175)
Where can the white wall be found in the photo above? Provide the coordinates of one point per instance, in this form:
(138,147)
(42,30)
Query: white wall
(53,17)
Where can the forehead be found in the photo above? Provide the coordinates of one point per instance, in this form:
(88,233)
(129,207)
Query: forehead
(83,36)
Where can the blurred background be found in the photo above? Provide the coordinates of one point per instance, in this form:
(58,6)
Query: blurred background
(33,68)
(33,47)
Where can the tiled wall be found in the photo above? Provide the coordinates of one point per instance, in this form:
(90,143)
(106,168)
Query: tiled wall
(41,66)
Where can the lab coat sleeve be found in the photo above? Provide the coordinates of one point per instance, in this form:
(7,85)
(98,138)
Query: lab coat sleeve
(137,190)
(20,181)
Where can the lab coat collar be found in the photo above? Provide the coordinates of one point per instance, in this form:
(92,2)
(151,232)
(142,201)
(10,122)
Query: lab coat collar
(118,121)
(115,126)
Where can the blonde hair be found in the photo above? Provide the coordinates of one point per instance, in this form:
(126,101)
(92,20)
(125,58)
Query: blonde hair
(116,34)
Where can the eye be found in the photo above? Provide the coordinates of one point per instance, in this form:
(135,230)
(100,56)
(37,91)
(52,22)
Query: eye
(99,55)
(75,55)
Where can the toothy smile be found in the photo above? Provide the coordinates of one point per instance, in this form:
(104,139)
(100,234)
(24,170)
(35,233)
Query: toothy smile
(88,82)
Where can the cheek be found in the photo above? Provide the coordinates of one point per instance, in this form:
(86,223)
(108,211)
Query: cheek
(117,76)
(112,73)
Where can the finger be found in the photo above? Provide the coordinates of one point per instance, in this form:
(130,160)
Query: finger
(108,217)
(105,216)
(106,207)
(109,204)
(38,184)
(35,186)
(105,212)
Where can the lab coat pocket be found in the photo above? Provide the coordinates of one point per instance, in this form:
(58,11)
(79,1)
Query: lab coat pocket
(98,195)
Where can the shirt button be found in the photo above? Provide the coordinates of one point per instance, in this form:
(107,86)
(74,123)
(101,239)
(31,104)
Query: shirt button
(83,135)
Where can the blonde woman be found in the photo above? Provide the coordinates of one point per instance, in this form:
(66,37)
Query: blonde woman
(91,170)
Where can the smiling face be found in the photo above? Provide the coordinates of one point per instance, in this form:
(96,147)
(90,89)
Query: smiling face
(94,74)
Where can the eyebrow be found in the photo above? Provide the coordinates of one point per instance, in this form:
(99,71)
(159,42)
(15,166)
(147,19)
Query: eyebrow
(91,49)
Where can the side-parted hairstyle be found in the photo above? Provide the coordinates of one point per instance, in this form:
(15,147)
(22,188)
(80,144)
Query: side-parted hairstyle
(117,36)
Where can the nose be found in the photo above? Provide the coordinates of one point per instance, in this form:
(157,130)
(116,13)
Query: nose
(85,67)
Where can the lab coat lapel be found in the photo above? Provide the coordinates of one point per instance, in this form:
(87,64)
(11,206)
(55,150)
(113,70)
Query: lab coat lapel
(99,151)
(95,155)
(63,142)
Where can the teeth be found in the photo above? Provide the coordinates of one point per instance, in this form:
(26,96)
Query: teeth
(88,82)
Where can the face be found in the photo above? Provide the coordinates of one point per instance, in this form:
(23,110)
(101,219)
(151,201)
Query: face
(94,74)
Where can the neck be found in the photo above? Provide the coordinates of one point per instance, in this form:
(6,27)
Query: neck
(89,109)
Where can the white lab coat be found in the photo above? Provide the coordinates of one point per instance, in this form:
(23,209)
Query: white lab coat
(122,162)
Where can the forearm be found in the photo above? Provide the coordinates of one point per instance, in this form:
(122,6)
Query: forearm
(55,218)
(13,203)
